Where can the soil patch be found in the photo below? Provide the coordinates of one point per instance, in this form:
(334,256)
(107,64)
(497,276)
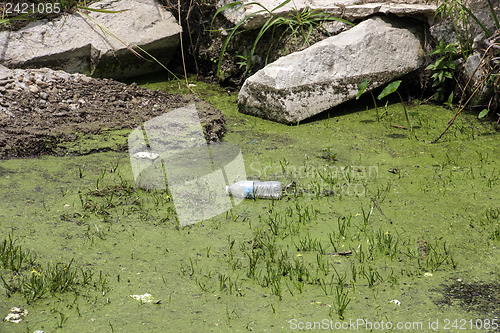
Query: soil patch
(483,298)
(38,117)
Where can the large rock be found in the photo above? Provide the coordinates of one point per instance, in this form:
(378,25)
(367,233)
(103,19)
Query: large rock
(449,27)
(77,44)
(472,37)
(347,9)
(476,70)
(305,83)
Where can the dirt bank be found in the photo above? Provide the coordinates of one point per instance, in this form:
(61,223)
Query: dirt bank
(38,116)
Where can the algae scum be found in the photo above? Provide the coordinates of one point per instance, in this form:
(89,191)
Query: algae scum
(375,231)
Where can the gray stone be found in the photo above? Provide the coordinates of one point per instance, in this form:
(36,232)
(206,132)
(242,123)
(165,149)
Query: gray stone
(40,83)
(34,79)
(348,9)
(444,30)
(76,44)
(305,83)
(335,27)
(4,72)
(73,107)
(473,70)
(34,89)
(6,81)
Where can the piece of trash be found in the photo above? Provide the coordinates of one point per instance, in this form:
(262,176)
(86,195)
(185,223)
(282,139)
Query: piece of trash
(395,301)
(146,298)
(252,189)
(16,315)
(344,253)
(144,155)
(427,274)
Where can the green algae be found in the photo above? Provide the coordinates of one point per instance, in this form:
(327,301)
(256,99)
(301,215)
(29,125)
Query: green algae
(416,216)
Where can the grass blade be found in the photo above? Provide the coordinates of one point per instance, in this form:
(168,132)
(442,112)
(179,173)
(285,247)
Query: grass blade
(488,32)
(102,10)
(495,18)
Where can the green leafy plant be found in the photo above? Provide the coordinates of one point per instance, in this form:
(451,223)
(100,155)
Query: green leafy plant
(460,16)
(20,272)
(329,154)
(361,89)
(483,113)
(246,61)
(13,257)
(342,301)
(393,88)
(479,22)
(299,23)
(492,72)
(443,68)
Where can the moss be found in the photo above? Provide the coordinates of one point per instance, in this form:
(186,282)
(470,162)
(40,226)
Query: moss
(403,207)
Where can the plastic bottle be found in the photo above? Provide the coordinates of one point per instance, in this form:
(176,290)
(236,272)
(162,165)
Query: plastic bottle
(253,189)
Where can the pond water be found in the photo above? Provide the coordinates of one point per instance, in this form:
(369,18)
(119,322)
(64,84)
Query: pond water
(375,229)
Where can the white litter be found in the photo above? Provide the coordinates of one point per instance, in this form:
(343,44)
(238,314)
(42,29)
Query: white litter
(16,315)
(144,155)
(146,298)
(395,301)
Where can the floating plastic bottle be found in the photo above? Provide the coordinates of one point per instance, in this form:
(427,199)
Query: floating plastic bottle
(253,189)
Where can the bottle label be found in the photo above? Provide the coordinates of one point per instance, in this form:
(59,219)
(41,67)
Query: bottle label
(248,191)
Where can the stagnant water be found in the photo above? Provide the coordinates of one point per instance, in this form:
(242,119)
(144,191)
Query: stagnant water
(377,230)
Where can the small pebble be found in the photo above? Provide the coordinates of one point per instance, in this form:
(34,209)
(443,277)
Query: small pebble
(4,82)
(85,79)
(40,83)
(34,89)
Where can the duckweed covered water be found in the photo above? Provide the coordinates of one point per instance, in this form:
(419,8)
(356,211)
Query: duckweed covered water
(375,228)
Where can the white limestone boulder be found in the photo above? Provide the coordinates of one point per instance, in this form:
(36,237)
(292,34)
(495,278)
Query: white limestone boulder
(76,43)
(347,9)
(328,73)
